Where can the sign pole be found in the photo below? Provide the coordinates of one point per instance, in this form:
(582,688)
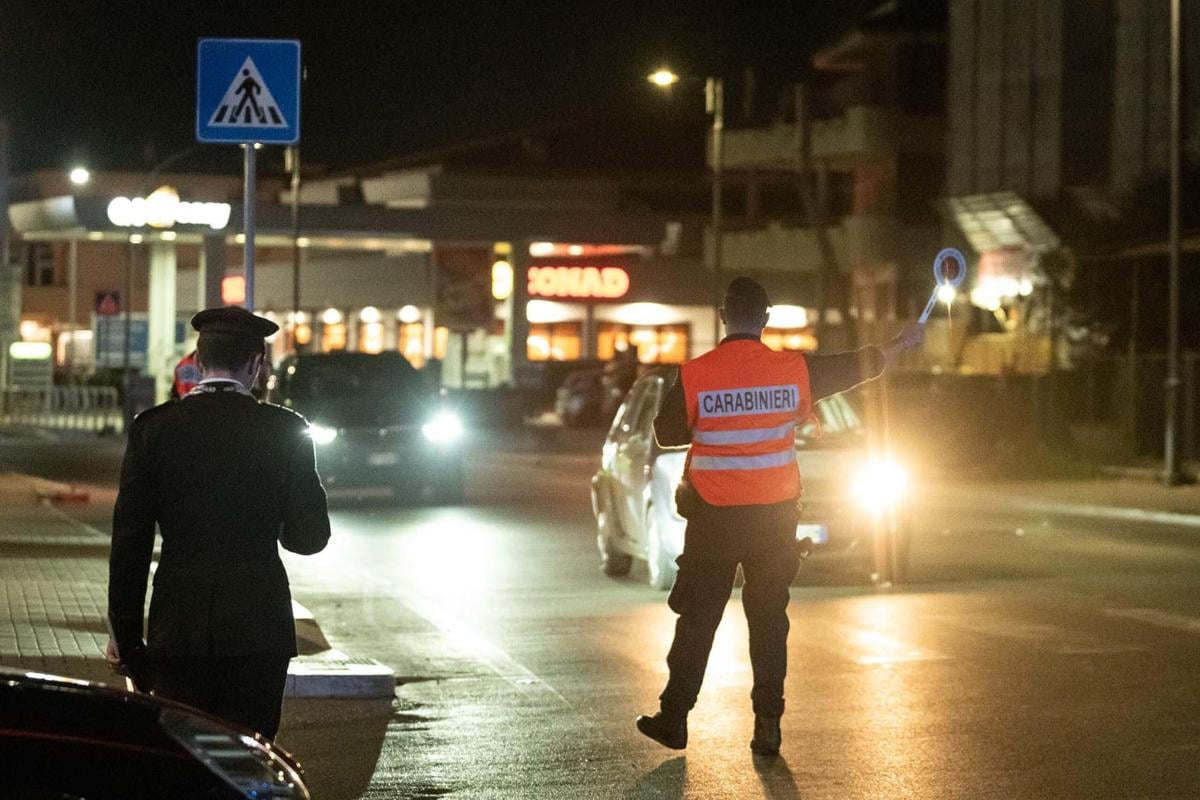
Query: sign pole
(248,221)
(248,93)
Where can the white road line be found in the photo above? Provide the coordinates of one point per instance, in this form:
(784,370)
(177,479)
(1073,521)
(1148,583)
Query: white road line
(1161,619)
(479,647)
(1058,640)
(1087,510)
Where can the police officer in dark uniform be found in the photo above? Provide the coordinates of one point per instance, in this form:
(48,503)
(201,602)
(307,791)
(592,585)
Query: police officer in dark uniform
(737,407)
(226,479)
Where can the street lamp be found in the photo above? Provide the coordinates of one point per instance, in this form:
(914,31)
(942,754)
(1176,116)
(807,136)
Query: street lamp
(663,78)
(714,104)
(79,176)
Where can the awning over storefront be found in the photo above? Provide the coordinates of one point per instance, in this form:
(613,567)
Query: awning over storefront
(1000,221)
(357,227)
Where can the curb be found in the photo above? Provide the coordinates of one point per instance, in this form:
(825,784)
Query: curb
(333,674)
(321,671)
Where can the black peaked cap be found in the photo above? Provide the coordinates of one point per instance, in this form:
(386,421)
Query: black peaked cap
(233,320)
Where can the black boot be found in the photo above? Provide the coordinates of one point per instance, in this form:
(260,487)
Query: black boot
(767,737)
(668,731)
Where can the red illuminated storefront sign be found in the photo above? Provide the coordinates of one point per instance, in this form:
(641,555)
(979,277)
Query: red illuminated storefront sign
(578,283)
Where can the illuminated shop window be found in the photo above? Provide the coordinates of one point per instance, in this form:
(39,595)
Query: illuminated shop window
(656,344)
(789,339)
(333,336)
(303,333)
(410,341)
(370,337)
(441,340)
(561,341)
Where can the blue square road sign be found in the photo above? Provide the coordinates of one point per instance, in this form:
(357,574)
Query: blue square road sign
(248,90)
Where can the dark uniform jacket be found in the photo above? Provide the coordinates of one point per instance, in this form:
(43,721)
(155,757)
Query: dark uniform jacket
(225,477)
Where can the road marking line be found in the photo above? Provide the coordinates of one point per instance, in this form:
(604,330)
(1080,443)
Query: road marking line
(1062,641)
(1088,510)
(479,647)
(1161,619)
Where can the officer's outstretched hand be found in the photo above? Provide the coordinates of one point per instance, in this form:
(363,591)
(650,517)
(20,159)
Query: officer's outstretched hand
(909,338)
(912,336)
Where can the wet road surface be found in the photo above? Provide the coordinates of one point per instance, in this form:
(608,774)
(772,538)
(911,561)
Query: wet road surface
(1028,658)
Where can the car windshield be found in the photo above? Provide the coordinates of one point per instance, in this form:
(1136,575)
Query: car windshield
(353,379)
(835,417)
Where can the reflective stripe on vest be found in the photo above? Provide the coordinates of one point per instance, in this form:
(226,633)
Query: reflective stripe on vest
(743,403)
(768,461)
(745,435)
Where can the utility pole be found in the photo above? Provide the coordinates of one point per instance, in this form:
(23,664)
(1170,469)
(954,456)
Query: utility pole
(10,286)
(1172,475)
(714,98)
(292,156)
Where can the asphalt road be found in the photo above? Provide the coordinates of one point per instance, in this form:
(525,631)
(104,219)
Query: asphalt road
(1028,658)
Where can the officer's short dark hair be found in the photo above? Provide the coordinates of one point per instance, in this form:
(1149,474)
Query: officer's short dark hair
(745,302)
(227,351)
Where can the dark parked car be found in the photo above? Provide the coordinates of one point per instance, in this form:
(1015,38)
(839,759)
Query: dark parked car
(69,740)
(376,421)
(580,398)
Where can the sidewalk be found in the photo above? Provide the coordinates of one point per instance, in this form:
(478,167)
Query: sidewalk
(53,581)
(54,599)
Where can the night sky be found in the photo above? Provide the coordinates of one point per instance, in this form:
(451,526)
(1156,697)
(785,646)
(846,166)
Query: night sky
(111,84)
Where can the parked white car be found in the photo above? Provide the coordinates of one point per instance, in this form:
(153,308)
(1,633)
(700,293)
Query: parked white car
(853,504)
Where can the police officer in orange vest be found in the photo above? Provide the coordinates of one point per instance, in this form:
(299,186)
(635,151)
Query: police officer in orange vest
(737,406)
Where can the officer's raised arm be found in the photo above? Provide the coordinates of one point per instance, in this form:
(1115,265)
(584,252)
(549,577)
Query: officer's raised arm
(832,373)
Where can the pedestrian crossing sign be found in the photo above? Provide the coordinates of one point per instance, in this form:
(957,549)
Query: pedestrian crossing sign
(248,91)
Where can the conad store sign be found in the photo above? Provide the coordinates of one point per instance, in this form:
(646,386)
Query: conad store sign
(578,283)
(164,209)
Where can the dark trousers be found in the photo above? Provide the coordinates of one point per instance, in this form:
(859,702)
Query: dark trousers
(245,690)
(763,541)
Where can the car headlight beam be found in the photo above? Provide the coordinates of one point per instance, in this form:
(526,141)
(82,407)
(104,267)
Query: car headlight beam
(322,435)
(880,484)
(444,428)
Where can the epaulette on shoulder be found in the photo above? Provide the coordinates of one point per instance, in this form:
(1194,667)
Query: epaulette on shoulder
(283,410)
(155,411)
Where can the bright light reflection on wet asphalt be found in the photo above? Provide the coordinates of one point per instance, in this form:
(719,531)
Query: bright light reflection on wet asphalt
(532,664)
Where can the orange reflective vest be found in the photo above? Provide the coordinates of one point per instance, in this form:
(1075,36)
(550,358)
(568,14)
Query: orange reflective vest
(743,403)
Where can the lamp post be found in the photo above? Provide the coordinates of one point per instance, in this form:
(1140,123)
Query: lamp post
(714,105)
(1172,475)
(79,176)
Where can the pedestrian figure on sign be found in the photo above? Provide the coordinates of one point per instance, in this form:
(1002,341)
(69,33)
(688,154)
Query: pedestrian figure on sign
(226,479)
(737,408)
(248,89)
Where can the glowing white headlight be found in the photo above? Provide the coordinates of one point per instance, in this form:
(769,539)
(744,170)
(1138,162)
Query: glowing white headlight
(322,435)
(880,484)
(444,428)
